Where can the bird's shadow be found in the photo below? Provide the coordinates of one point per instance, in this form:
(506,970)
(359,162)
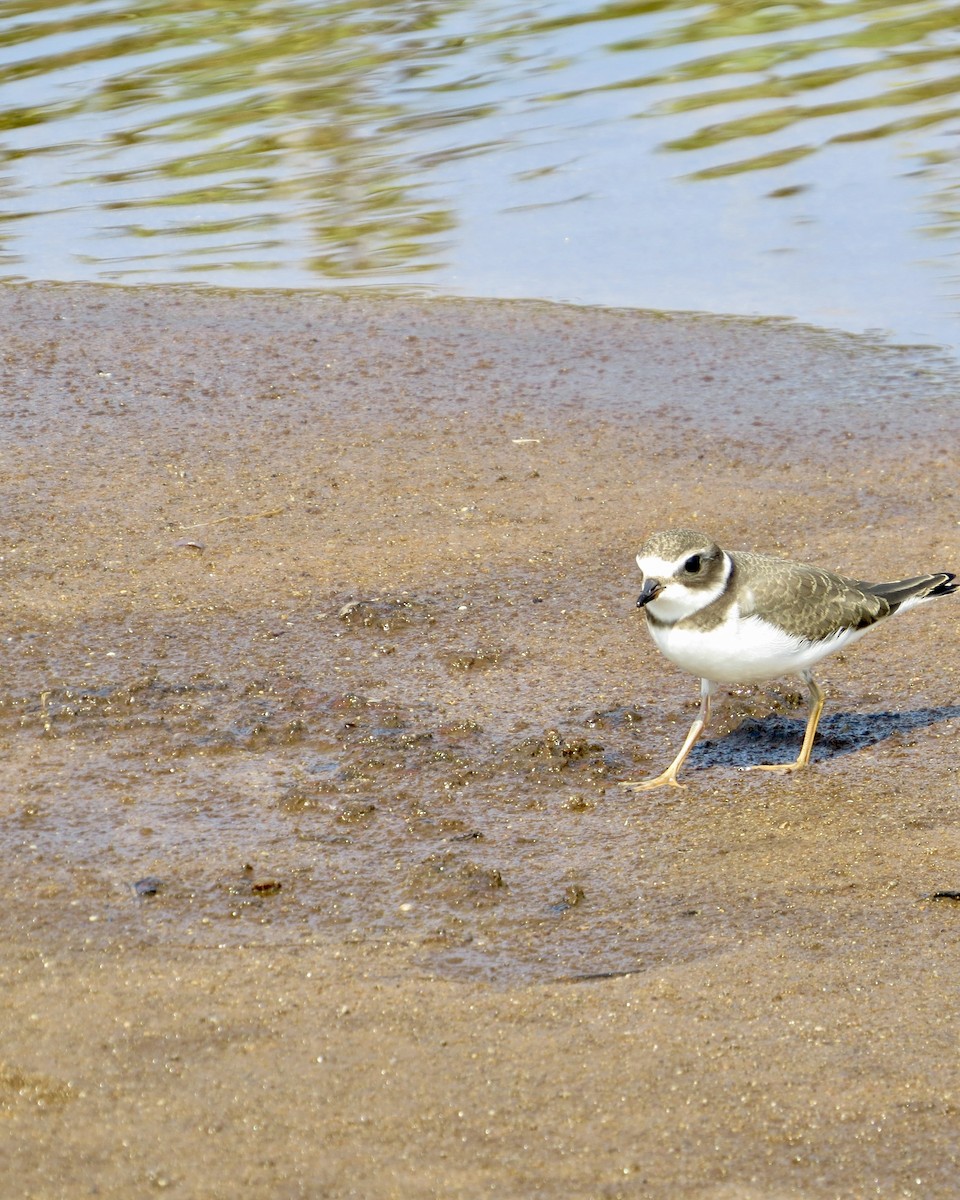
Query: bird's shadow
(777,739)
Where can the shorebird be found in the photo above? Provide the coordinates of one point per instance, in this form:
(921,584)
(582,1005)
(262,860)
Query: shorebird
(741,617)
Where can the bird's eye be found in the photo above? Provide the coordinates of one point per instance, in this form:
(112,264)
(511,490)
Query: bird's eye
(692,564)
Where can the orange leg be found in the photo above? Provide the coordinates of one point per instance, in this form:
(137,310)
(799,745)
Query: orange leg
(817,700)
(669,776)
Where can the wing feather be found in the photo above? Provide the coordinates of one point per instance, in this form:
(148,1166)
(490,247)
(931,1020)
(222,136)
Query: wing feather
(808,602)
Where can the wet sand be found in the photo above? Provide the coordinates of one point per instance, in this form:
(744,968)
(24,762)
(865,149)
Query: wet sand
(320,665)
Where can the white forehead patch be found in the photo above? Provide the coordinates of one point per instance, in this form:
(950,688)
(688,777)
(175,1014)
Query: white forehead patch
(653,566)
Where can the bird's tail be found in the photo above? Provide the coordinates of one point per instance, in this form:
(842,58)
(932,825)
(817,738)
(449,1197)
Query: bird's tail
(907,592)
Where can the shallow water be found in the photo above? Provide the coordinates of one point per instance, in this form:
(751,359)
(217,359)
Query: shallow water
(790,160)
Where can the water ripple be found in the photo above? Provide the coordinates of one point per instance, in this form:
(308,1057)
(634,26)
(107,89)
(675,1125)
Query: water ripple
(618,153)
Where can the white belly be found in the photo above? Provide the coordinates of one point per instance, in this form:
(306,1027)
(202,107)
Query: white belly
(744,650)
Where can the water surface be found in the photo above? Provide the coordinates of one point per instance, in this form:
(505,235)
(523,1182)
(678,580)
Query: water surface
(791,159)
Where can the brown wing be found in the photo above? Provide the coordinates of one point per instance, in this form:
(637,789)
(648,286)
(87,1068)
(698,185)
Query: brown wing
(807,601)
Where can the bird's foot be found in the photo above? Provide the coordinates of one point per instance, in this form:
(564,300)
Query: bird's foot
(783,768)
(666,779)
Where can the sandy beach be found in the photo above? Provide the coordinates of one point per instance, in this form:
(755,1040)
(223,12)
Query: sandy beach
(319,667)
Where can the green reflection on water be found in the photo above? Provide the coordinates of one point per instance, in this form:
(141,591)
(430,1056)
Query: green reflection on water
(210,121)
(881,39)
(256,103)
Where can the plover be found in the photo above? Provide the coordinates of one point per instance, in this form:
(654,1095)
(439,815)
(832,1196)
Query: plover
(744,618)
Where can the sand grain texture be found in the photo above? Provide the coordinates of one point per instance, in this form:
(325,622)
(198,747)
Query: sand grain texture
(320,665)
